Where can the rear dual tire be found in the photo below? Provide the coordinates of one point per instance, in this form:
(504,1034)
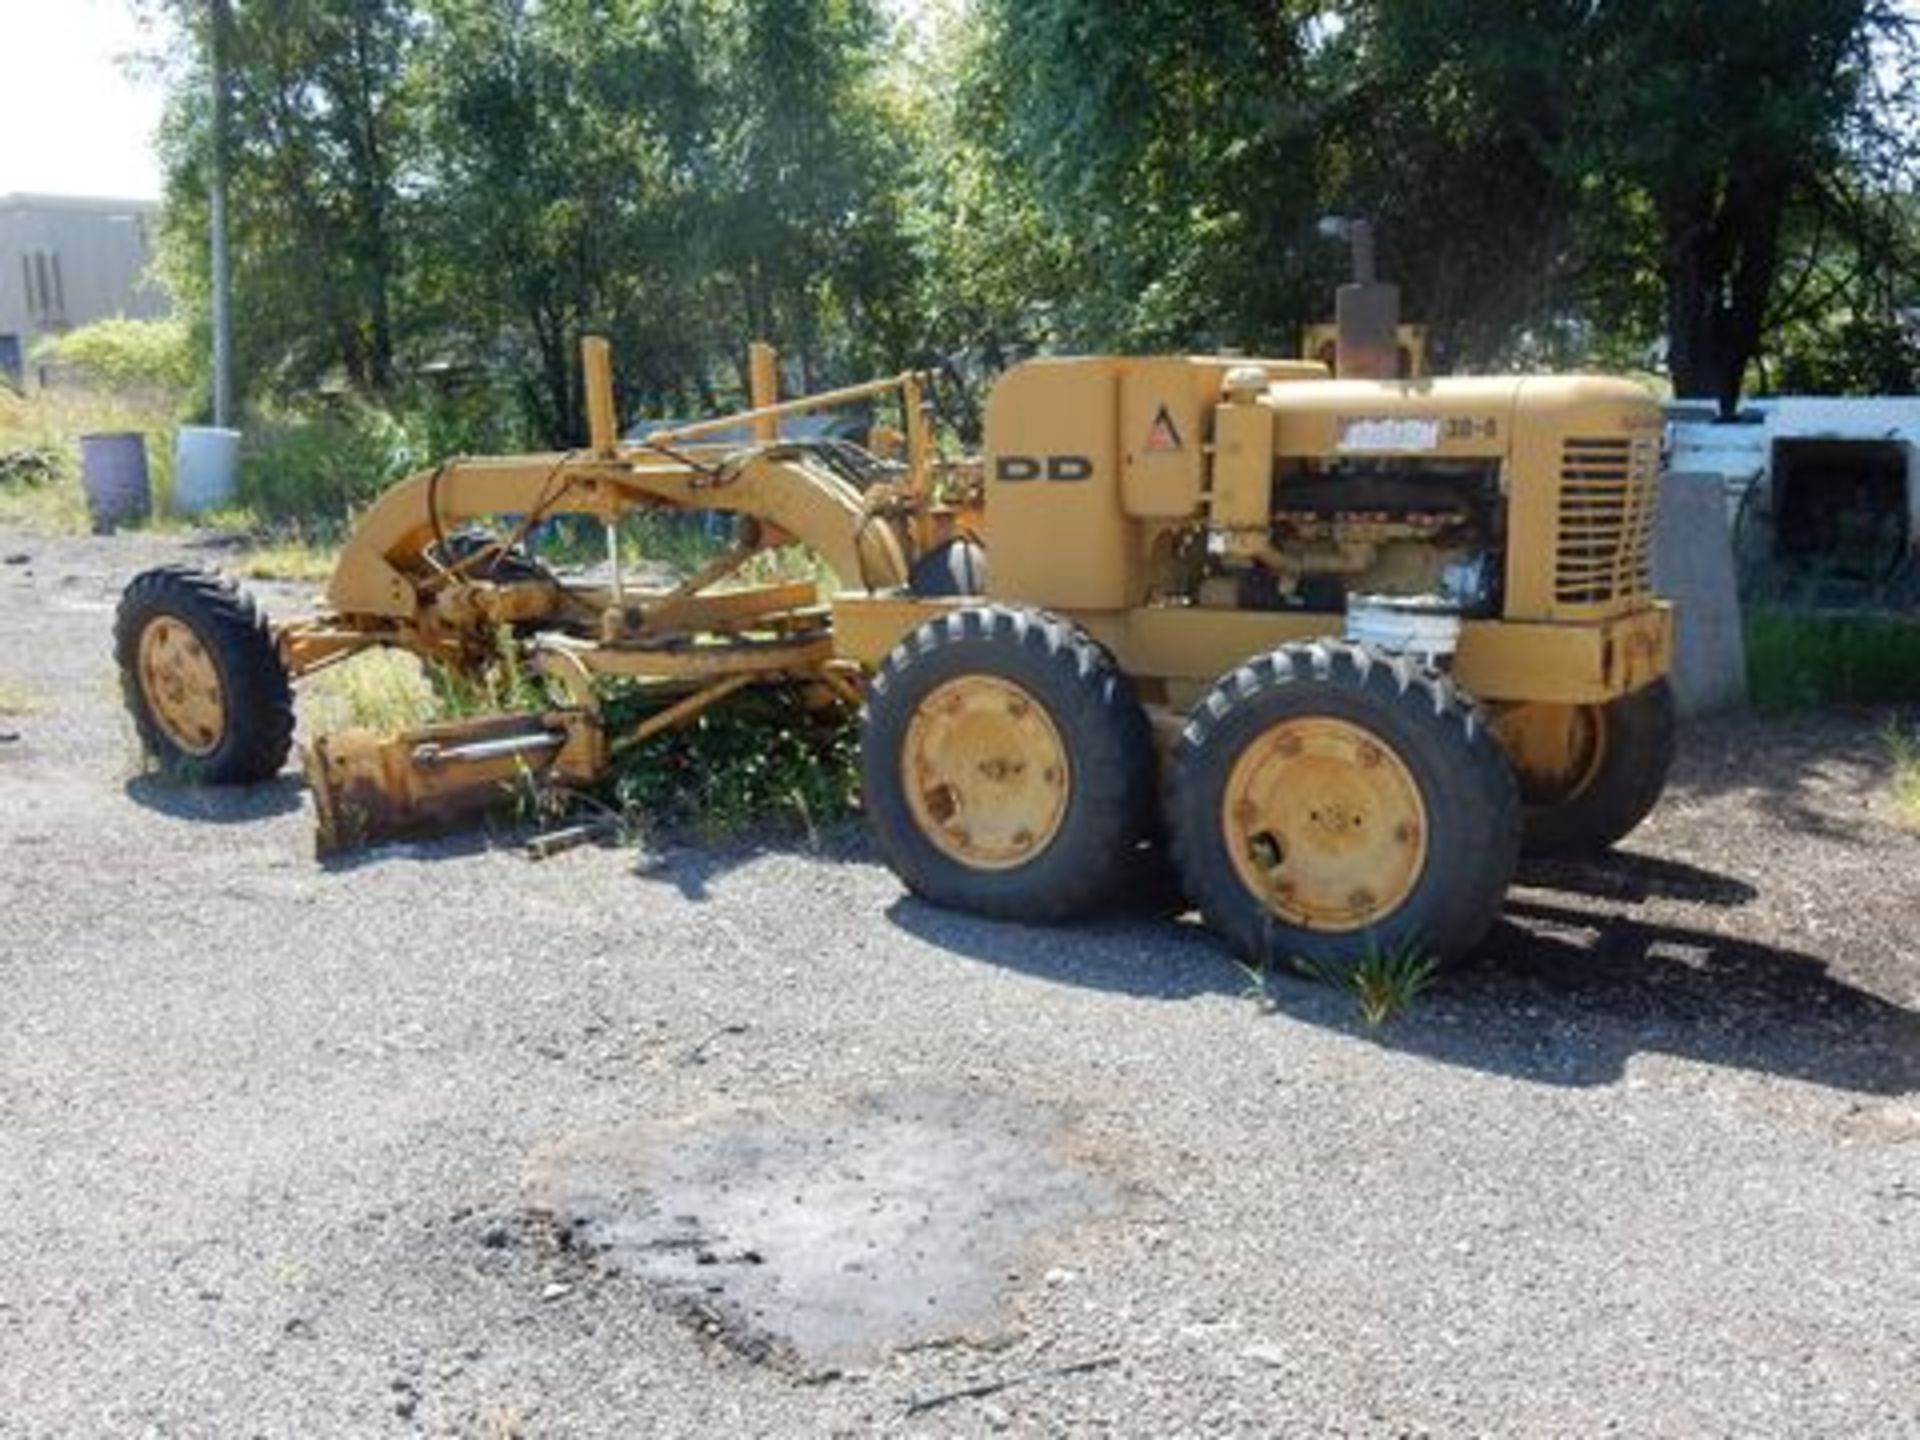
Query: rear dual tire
(1330,801)
(1326,800)
(1611,775)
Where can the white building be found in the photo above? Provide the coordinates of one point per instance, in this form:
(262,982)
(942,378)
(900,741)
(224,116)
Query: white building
(67,261)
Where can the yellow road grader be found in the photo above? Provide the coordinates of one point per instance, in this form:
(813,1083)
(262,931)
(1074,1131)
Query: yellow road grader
(1328,651)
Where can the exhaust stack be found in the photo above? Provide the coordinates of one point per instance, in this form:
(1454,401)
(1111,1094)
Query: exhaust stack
(1366,311)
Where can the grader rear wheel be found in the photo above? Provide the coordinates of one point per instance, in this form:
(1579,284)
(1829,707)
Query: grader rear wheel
(1006,767)
(1329,799)
(203,680)
(1589,774)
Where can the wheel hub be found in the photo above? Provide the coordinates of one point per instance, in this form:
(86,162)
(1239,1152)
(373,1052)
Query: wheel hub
(1325,823)
(985,772)
(182,686)
(1555,750)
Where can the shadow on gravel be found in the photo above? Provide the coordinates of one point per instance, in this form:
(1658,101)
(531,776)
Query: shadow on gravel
(1154,959)
(692,865)
(1560,994)
(219,541)
(1793,768)
(1635,878)
(425,848)
(217,804)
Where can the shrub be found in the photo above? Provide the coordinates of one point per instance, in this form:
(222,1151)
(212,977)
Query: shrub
(473,420)
(315,471)
(122,354)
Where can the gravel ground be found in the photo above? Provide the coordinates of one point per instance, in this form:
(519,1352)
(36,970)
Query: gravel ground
(360,1149)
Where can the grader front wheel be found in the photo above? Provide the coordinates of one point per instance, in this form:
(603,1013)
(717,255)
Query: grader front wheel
(202,678)
(1329,799)
(1006,766)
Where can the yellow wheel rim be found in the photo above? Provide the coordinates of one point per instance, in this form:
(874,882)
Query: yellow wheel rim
(985,772)
(1325,823)
(182,686)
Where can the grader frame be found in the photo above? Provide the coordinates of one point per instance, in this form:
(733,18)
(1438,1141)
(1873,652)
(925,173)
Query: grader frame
(695,643)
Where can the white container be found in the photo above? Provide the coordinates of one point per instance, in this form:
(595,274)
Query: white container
(1424,625)
(206,468)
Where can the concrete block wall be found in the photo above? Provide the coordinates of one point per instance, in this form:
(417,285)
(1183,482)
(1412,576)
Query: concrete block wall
(1693,567)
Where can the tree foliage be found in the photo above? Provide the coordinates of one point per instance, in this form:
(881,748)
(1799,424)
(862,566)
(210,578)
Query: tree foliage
(421,186)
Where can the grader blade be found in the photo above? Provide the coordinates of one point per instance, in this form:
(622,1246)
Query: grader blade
(369,787)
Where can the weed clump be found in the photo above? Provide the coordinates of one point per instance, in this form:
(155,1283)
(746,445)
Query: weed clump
(1386,981)
(1903,749)
(763,757)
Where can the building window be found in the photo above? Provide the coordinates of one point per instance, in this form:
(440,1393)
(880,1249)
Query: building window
(46,287)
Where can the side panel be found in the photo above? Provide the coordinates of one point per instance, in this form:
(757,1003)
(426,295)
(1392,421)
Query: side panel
(1242,498)
(1054,526)
(1165,406)
(1465,419)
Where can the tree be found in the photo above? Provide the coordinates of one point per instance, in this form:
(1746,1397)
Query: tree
(1171,150)
(1602,144)
(318,137)
(681,176)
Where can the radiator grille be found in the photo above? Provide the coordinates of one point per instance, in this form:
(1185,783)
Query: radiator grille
(1606,521)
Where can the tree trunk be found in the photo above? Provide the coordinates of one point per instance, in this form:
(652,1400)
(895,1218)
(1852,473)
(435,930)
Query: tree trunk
(1722,252)
(372,183)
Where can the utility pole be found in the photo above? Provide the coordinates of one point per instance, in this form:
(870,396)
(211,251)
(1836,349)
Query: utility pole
(220,24)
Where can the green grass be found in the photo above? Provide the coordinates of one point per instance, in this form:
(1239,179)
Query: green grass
(17,699)
(40,452)
(760,757)
(1386,981)
(393,690)
(1903,750)
(384,690)
(288,556)
(1797,660)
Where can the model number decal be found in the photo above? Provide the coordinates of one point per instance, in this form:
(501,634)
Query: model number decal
(1389,433)
(1050,467)
(1412,434)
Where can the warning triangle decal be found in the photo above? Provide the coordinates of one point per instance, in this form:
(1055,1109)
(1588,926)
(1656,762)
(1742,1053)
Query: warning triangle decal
(1165,435)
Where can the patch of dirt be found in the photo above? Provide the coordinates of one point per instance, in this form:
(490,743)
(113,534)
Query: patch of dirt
(823,1238)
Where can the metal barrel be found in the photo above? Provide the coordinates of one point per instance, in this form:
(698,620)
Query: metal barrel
(113,473)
